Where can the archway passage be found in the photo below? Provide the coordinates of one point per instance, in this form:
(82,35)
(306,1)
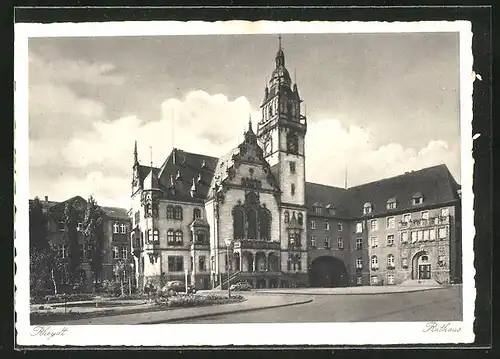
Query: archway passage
(328,272)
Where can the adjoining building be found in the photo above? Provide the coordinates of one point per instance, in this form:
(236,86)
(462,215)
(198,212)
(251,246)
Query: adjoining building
(283,230)
(116,246)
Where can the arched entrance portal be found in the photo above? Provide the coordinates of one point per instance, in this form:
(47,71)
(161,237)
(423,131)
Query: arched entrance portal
(328,272)
(421,266)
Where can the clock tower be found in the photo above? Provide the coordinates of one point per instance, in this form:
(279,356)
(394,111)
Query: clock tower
(281,132)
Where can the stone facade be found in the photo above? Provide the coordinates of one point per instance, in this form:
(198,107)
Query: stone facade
(281,229)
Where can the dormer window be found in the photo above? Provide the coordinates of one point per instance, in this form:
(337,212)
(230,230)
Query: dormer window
(391,203)
(317,210)
(367,208)
(418,198)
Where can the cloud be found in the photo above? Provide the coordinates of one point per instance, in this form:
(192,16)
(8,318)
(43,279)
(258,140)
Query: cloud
(352,148)
(58,70)
(212,125)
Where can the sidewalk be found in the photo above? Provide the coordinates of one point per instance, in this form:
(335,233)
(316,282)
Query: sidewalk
(362,290)
(174,315)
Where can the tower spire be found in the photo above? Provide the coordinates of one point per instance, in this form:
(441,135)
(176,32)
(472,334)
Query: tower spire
(136,156)
(250,122)
(279,41)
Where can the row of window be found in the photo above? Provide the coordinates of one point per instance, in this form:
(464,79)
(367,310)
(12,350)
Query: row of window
(173,212)
(391,222)
(176,263)
(327,225)
(340,242)
(119,228)
(391,261)
(251,223)
(374,279)
(120,252)
(61,226)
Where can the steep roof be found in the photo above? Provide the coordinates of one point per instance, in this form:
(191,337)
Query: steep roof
(435,184)
(116,213)
(178,172)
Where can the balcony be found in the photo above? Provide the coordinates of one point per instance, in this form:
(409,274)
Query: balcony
(200,245)
(256,244)
(421,223)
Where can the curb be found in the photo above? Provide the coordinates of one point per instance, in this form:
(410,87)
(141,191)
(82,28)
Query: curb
(207,315)
(344,294)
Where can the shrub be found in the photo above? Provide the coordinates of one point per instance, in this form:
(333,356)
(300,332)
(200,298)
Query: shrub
(193,300)
(61,298)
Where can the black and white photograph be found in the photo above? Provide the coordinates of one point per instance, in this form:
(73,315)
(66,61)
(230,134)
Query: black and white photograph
(181,182)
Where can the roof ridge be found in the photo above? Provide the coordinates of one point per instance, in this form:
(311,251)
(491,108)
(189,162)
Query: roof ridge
(401,175)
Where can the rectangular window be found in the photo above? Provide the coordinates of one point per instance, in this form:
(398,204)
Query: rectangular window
(327,242)
(425,215)
(390,239)
(175,263)
(374,224)
(391,205)
(79,227)
(426,235)
(62,250)
(404,237)
(327,225)
(445,212)
(374,242)
(359,263)
(417,200)
(339,226)
(432,234)
(292,167)
(313,241)
(202,263)
(420,235)
(317,210)
(124,252)
(374,279)
(390,222)
(137,218)
(340,243)
(116,252)
(359,227)
(123,228)
(313,224)
(407,218)
(292,189)
(442,233)
(60,226)
(359,243)
(413,236)
(359,280)
(390,279)
(116,228)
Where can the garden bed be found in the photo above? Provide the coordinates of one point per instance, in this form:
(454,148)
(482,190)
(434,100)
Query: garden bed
(156,304)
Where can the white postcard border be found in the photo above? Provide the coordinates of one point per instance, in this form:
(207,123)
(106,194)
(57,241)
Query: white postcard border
(237,334)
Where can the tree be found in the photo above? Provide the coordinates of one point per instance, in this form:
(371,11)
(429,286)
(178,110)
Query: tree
(93,231)
(40,254)
(124,268)
(71,217)
(37,226)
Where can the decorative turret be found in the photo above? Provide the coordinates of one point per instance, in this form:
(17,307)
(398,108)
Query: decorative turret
(192,191)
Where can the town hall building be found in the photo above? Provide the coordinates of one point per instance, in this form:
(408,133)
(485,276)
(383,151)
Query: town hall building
(252,214)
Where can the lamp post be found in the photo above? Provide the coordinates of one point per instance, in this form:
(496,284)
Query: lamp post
(228,242)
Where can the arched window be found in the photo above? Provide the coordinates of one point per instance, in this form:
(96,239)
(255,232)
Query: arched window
(265,225)
(390,260)
(178,237)
(300,219)
(287,217)
(252,224)
(196,213)
(238,223)
(178,212)
(170,212)
(374,260)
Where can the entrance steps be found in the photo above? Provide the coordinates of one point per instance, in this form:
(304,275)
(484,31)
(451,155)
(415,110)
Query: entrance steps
(420,283)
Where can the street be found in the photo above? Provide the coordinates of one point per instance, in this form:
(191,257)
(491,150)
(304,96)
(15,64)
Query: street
(433,305)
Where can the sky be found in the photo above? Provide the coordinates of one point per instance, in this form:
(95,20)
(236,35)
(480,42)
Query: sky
(377,104)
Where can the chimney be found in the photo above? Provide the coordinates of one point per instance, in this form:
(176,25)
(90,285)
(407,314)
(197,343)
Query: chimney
(46,198)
